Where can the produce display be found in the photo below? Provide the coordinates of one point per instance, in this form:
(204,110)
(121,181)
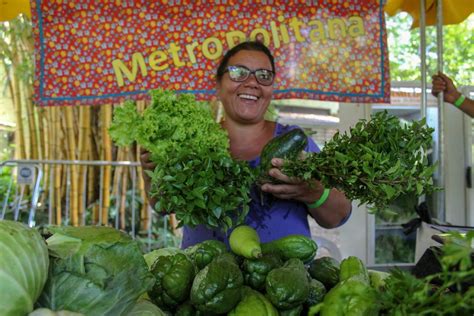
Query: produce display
(195,177)
(100,271)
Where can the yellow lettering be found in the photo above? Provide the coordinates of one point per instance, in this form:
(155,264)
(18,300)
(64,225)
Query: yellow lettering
(285,37)
(264,33)
(157,58)
(317,33)
(218,49)
(234,37)
(276,37)
(190,49)
(174,49)
(356,27)
(334,25)
(120,69)
(295,25)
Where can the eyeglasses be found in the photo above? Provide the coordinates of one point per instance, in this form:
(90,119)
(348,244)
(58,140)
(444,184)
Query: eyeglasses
(239,73)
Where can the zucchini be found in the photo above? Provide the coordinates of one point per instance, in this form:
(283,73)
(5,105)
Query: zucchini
(292,246)
(286,146)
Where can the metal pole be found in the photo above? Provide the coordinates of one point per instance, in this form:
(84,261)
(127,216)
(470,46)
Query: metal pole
(440,195)
(423,57)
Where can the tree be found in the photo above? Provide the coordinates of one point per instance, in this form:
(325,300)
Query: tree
(404,50)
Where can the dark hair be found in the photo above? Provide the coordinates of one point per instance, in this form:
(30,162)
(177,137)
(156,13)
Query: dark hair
(251,45)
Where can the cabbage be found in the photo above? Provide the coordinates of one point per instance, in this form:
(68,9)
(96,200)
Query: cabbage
(23,267)
(146,308)
(95,271)
(151,257)
(48,312)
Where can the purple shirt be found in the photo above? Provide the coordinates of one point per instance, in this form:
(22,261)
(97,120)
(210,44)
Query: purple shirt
(272,219)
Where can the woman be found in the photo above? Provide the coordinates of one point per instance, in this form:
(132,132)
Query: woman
(244,86)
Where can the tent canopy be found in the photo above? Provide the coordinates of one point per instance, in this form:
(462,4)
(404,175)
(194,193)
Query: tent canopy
(454,11)
(10,9)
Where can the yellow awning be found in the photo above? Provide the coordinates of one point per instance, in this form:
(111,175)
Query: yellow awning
(454,11)
(10,9)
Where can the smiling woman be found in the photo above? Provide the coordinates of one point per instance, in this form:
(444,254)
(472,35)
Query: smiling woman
(244,85)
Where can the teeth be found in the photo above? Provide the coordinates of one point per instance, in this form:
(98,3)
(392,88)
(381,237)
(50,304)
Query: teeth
(248,96)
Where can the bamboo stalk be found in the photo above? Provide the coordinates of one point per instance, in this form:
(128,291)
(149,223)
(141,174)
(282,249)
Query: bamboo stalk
(106,115)
(117,172)
(44,150)
(70,134)
(123,194)
(20,153)
(31,122)
(173,223)
(141,183)
(54,151)
(92,174)
(84,126)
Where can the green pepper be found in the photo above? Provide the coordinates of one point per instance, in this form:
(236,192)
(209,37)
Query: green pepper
(253,303)
(351,297)
(317,291)
(207,250)
(217,288)
(288,286)
(255,270)
(295,311)
(174,275)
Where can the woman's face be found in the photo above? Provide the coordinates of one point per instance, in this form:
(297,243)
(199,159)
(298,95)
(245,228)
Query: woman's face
(246,101)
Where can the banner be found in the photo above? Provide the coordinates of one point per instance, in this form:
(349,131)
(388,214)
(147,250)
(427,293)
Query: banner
(96,52)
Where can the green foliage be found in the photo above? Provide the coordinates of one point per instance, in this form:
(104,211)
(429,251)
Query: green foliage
(406,295)
(5,180)
(376,162)
(94,270)
(195,176)
(390,248)
(404,50)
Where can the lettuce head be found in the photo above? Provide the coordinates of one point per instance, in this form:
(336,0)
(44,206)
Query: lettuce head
(94,270)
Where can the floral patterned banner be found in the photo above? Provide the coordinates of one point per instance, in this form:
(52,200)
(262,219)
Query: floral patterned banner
(96,52)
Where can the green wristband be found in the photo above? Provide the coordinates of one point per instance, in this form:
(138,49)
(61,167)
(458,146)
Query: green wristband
(323,198)
(460,100)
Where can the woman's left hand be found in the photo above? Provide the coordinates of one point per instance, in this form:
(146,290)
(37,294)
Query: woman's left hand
(291,188)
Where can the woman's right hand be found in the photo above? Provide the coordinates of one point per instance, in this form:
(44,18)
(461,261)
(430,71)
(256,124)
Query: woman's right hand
(442,83)
(147,165)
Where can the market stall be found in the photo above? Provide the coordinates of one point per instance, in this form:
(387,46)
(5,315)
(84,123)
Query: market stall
(102,249)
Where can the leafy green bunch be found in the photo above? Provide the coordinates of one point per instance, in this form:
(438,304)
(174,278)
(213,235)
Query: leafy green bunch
(376,162)
(441,293)
(195,176)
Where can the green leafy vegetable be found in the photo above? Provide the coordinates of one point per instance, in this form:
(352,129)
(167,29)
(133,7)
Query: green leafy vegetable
(146,308)
(23,267)
(376,162)
(441,293)
(195,176)
(48,312)
(94,270)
